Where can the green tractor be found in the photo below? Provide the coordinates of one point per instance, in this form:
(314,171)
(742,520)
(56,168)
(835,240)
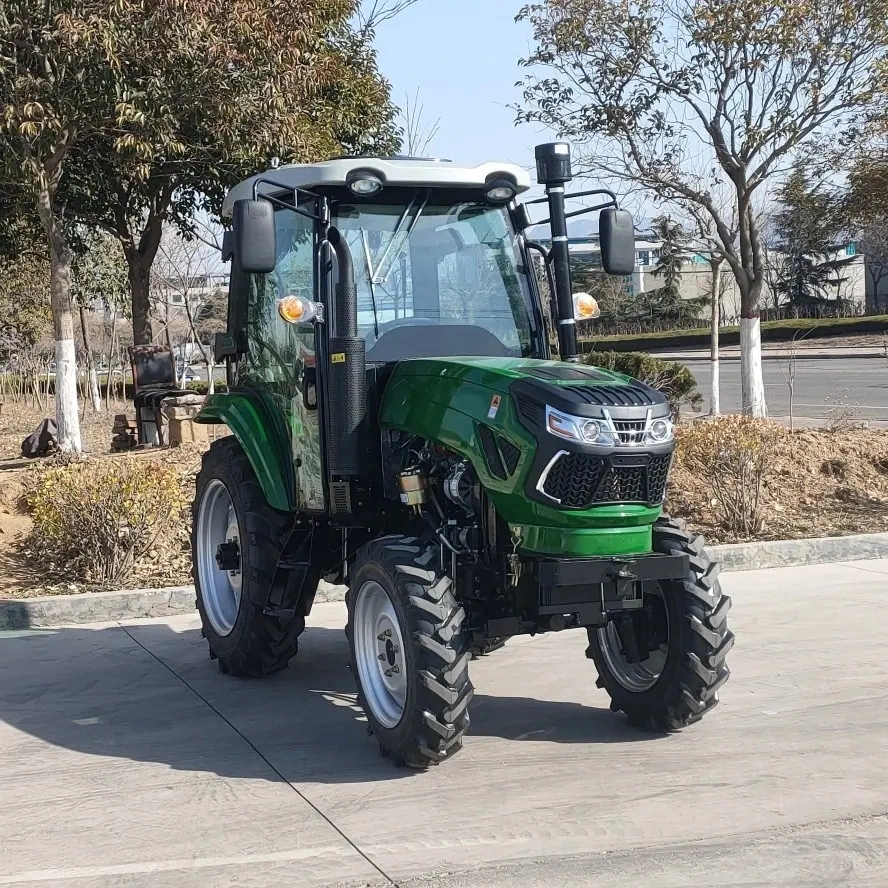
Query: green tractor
(398,426)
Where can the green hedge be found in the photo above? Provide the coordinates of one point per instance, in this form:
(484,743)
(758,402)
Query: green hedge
(670,377)
(772,331)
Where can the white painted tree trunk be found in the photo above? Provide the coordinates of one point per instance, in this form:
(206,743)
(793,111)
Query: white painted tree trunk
(67,413)
(714,367)
(94,395)
(751,378)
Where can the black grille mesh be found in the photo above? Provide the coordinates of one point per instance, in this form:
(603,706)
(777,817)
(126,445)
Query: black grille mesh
(580,481)
(491,454)
(510,453)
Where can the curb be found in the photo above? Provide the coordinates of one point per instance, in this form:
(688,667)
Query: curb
(794,553)
(132,604)
(770,355)
(108,607)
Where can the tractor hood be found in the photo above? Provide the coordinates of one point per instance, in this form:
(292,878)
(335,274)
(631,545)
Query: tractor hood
(556,445)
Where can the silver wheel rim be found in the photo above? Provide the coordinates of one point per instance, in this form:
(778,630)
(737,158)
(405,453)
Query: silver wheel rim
(635,677)
(379,654)
(220,590)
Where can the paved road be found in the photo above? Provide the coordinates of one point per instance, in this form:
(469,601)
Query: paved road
(855,386)
(127,760)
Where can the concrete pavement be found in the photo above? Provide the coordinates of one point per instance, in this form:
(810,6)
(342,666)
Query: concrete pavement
(127,760)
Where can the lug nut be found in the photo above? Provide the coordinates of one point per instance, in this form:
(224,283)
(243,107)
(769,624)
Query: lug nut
(380,657)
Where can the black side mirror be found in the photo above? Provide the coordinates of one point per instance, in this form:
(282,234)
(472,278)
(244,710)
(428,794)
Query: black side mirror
(224,346)
(616,232)
(521,217)
(227,245)
(255,244)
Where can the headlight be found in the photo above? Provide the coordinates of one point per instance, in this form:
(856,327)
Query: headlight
(577,428)
(609,432)
(659,431)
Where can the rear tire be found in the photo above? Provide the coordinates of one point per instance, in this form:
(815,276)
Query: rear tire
(687,684)
(409,651)
(245,641)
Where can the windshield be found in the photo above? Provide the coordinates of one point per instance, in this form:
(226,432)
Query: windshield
(437,279)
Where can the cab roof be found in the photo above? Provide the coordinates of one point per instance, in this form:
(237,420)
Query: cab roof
(403,171)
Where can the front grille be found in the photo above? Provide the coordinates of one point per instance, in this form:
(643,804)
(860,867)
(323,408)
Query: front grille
(579,481)
(630,431)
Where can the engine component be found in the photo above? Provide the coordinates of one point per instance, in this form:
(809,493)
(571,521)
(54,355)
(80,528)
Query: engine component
(459,487)
(414,487)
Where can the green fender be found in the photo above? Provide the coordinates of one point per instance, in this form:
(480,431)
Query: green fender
(265,444)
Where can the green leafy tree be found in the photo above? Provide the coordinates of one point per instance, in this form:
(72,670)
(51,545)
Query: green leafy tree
(682,97)
(667,304)
(231,86)
(807,228)
(108,124)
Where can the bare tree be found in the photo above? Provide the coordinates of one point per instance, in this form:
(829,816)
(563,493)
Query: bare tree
(184,273)
(372,13)
(873,244)
(418,134)
(679,96)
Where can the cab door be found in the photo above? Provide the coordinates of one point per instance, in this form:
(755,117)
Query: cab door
(279,364)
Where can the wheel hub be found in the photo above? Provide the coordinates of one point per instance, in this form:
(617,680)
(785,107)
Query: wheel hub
(636,649)
(218,557)
(379,653)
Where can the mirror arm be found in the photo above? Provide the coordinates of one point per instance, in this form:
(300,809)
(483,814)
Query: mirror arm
(282,203)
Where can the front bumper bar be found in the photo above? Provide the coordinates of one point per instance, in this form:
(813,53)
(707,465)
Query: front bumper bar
(591,588)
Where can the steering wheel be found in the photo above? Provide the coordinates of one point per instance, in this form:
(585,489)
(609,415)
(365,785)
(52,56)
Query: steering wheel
(375,336)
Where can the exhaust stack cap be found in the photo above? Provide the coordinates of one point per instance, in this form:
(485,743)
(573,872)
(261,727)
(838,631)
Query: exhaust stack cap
(553,163)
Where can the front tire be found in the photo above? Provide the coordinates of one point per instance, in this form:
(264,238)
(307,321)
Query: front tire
(687,629)
(230,511)
(409,651)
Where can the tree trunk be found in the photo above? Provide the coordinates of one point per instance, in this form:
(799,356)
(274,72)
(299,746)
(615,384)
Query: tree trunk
(94,395)
(108,380)
(751,379)
(140,280)
(67,417)
(714,381)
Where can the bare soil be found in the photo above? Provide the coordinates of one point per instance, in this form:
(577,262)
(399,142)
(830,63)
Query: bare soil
(817,483)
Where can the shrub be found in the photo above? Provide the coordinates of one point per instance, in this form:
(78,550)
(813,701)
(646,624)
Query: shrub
(199,386)
(730,455)
(94,520)
(673,379)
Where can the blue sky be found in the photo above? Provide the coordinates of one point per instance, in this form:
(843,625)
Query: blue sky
(462,56)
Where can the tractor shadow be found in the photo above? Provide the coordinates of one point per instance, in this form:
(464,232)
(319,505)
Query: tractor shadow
(146,693)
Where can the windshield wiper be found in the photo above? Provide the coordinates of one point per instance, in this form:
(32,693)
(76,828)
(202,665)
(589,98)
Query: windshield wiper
(382,274)
(372,282)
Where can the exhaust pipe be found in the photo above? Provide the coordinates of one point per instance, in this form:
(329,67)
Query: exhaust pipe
(346,376)
(553,171)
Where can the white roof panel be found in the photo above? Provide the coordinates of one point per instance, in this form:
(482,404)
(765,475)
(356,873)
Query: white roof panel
(394,171)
